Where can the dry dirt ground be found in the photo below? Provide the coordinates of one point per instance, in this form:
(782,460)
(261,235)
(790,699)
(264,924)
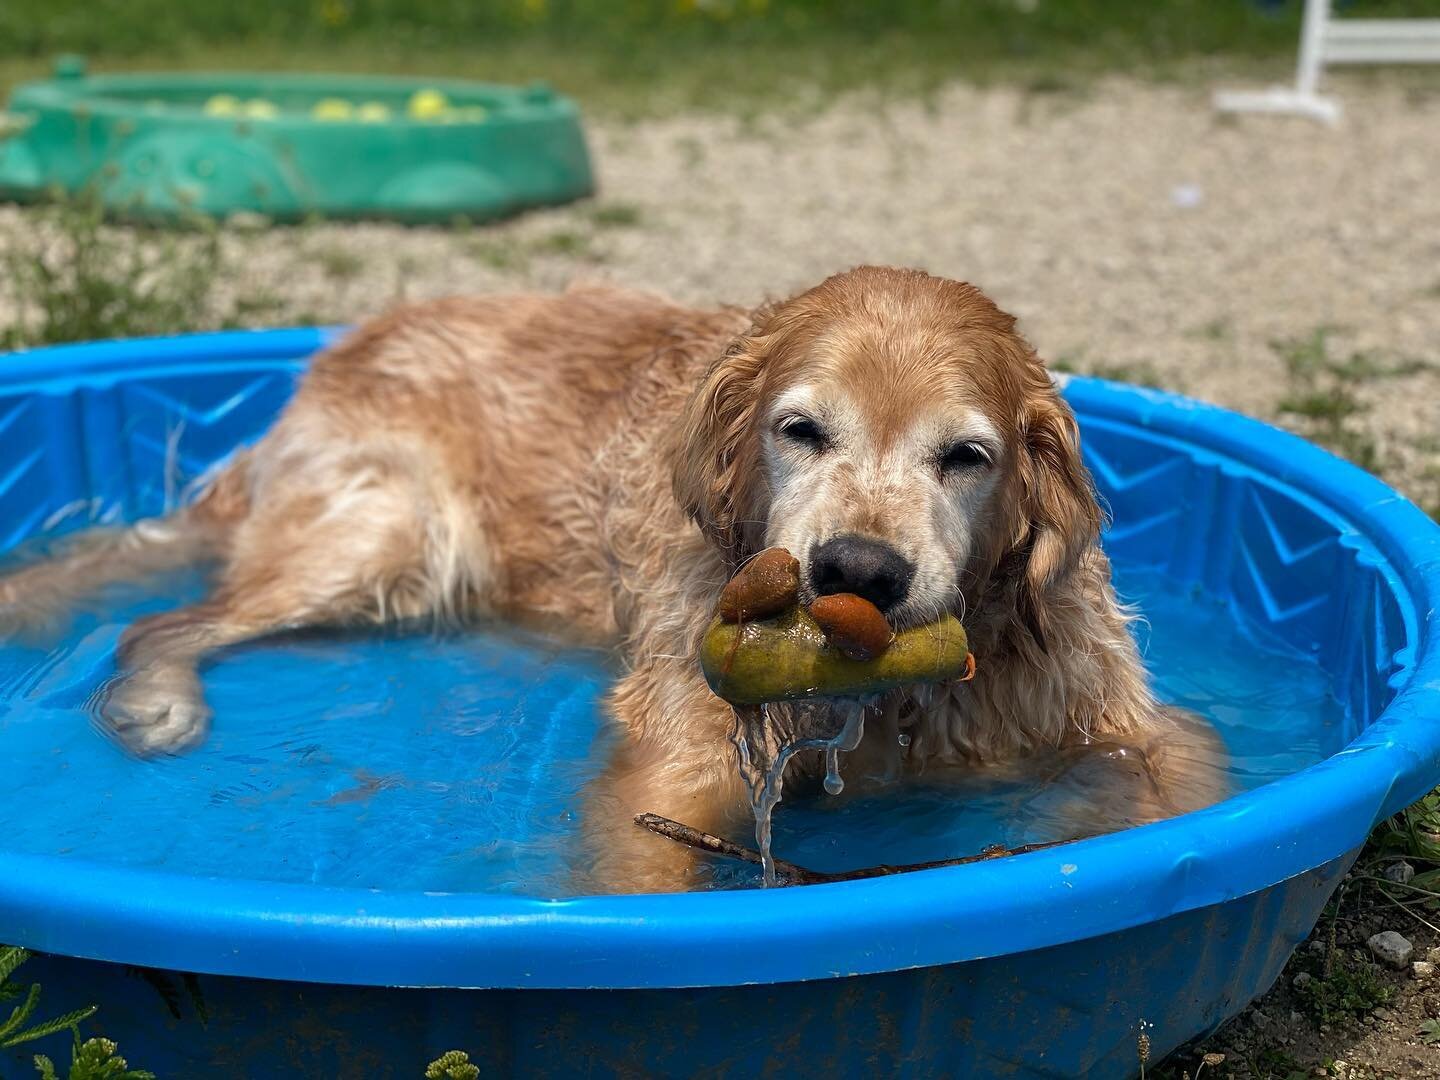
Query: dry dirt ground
(1281,1036)
(1257,262)
(1265,263)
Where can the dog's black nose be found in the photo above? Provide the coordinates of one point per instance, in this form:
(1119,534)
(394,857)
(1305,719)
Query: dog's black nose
(868,568)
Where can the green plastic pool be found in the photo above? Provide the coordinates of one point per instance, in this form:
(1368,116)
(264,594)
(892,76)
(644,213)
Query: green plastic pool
(160,146)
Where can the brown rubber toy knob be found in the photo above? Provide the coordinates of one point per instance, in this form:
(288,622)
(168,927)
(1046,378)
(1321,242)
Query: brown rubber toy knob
(766,585)
(853,625)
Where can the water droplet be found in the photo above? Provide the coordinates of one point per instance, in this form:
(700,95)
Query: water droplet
(833,784)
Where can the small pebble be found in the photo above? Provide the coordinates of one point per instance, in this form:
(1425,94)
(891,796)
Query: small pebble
(1316,946)
(1391,949)
(1399,872)
(1422,969)
(1302,980)
(1383,1013)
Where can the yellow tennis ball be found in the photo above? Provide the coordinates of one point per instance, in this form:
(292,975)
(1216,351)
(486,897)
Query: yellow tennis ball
(260,109)
(332,109)
(373,112)
(428,104)
(223,105)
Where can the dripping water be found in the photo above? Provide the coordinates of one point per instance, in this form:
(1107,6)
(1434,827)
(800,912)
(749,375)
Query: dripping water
(767,738)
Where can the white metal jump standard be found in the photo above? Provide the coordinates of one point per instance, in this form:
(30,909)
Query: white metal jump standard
(1326,40)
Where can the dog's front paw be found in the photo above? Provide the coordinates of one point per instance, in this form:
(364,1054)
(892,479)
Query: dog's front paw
(157,710)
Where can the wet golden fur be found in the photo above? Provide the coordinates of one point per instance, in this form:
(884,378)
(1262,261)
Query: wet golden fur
(599,462)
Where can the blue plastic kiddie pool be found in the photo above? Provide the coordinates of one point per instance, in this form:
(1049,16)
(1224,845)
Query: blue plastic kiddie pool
(353,888)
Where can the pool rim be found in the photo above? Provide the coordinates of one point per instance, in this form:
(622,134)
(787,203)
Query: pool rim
(514,105)
(366,937)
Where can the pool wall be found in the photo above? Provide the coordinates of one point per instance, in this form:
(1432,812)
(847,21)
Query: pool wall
(1068,1011)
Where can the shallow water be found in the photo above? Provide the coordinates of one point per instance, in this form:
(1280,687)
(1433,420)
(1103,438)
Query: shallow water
(409,763)
(1271,704)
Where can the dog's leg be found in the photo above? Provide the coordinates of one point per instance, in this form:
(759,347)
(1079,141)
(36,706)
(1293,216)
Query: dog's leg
(676,760)
(1176,764)
(364,557)
(157,705)
(1187,760)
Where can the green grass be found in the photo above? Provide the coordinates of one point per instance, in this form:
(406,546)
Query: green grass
(497,252)
(1329,407)
(648,56)
(1273,1063)
(452,1065)
(70,277)
(614,215)
(1220,329)
(1429,498)
(338,263)
(98,1058)
(1414,833)
(1349,990)
(511,252)
(568,243)
(1324,392)
(91,1059)
(94,1059)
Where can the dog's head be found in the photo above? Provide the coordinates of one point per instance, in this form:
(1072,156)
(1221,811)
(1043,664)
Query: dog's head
(893,431)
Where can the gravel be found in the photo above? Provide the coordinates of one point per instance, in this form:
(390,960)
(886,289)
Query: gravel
(1135,231)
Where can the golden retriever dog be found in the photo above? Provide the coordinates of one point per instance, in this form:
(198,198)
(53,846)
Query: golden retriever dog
(599,463)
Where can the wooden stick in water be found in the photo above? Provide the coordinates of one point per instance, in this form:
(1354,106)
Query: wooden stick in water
(790,874)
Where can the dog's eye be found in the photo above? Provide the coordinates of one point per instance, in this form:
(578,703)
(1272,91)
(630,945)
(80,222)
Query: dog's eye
(964,455)
(804,431)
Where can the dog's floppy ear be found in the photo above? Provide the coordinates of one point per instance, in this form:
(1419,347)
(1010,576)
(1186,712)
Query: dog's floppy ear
(1060,517)
(716,456)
